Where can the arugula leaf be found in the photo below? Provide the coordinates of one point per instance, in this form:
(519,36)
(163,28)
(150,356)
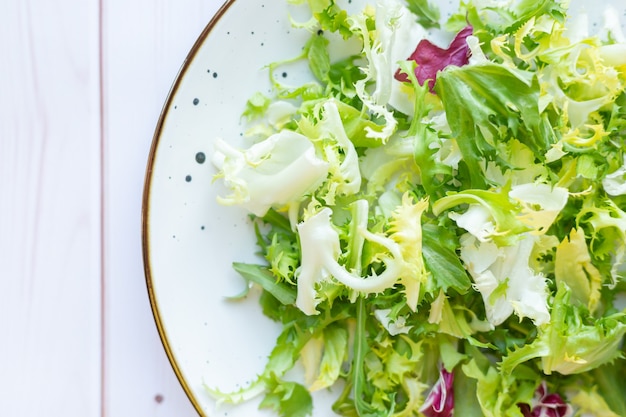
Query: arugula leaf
(260,275)
(427,13)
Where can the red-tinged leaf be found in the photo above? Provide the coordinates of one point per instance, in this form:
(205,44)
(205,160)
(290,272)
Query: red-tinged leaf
(440,400)
(546,404)
(431,59)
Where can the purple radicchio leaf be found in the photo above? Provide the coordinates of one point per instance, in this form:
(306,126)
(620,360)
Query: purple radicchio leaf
(546,404)
(440,400)
(431,59)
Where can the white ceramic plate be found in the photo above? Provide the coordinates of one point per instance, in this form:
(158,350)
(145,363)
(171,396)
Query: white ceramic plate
(189,240)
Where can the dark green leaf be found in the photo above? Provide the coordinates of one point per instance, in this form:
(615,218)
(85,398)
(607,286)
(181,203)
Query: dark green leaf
(261,276)
(279,221)
(487,103)
(442,262)
(610,382)
(427,13)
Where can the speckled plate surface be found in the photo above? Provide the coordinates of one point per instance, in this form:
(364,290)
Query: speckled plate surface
(189,240)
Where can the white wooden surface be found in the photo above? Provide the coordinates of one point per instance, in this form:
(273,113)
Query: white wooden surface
(82,83)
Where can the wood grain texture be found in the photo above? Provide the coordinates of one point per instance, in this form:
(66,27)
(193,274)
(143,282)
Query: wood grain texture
(82,83)
(49,208)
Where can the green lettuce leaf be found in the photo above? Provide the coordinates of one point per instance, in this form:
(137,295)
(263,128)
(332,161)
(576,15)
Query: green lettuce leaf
(259,274)
(487,103)
(442,261)
(287,398)
(573,342)
(427,13)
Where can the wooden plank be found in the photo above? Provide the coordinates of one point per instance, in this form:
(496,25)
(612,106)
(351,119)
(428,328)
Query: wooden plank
(49,208)
(145,43)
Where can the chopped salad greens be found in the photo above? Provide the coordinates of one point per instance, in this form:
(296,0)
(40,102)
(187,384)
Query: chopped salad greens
(443,225)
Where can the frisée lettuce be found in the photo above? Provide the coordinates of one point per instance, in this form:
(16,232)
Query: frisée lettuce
(441,219)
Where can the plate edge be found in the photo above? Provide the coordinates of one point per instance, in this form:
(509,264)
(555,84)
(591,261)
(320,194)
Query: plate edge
(145,206)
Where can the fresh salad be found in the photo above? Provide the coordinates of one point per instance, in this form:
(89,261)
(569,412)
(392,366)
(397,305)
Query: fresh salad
(441,218)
